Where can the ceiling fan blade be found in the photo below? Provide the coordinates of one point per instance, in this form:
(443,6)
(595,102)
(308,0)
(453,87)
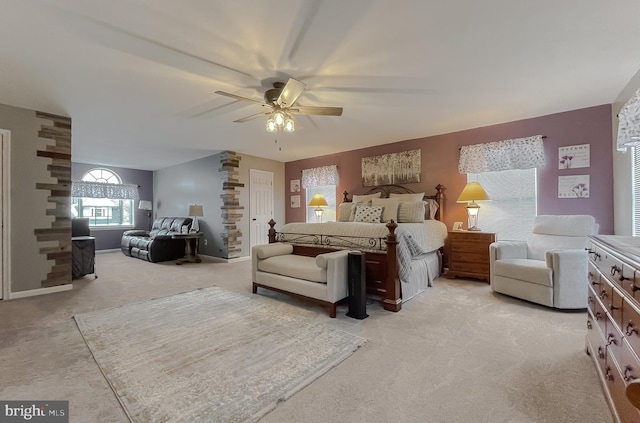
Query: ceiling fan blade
(248,118)
(290,93)
(317,110)
(237,97)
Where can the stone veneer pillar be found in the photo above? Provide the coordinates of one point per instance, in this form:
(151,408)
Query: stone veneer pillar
(231,208)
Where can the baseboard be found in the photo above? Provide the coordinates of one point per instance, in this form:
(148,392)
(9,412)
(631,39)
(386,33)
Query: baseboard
(113,250)
(40,291)
(224,260)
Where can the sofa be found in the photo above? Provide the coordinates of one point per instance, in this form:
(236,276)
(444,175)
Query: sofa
(321,279)
(157,244)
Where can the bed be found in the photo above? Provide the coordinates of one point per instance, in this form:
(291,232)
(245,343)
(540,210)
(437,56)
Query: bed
(402,259)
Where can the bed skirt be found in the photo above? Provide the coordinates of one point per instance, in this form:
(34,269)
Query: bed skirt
(424,269)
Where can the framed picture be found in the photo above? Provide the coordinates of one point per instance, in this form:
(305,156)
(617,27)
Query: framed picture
(574,156)
(394,168)
(295,185)
(575,186)
(295,201)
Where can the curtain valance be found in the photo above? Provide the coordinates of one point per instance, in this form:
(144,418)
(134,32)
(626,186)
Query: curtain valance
(629,123)
(320,176)
(519,153)
(85,189)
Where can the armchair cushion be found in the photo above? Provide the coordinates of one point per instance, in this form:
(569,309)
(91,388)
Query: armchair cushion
(533,271)
(299,267)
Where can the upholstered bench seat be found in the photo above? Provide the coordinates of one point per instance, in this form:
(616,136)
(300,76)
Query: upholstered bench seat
(322,279)
(533,271)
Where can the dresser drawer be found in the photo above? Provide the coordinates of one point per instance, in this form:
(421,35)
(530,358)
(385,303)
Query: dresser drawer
(469,267)
(613,339)
(597,310)
(615,380)
(458,256)
(631,325)
(595,338)
(470,236)
(475,248)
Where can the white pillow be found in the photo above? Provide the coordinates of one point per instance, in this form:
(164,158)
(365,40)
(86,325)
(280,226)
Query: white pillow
(390,208)
(354,206)
(431,206)
(368,214)
(411,212)
(365,198)
(344,212)
(408,197)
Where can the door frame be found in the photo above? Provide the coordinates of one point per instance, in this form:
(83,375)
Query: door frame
(5,229)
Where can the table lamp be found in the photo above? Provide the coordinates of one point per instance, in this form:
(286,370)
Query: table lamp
(318,201)
(471,193)
(195,210)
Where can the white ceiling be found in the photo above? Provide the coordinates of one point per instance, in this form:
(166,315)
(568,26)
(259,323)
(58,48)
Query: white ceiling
(138,76)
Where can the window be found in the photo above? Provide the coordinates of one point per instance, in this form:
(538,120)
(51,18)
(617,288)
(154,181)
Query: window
(329,192)
(513,205)
(636,191)
(103,211)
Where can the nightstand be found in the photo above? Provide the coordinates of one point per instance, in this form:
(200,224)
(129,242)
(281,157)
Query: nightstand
(469,254)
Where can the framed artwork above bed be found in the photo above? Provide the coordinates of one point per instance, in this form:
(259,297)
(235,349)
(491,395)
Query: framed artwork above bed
(394,168)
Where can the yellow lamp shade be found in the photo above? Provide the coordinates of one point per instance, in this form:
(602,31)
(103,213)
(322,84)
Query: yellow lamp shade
(318,200)
(473,191)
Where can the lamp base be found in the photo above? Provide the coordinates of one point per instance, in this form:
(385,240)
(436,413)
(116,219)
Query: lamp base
(474,228)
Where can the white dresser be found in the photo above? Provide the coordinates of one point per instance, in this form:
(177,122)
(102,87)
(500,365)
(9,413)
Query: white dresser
(613,318)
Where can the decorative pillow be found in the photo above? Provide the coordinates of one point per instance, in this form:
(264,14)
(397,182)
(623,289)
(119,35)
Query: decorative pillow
(408,197)
(431,206)
(368,214)
(411,212)
(365,198)
(354,206)
(344,212)
(390,208)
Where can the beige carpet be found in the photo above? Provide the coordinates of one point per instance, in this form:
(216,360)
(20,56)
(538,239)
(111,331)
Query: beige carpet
(457,353)
(209,355)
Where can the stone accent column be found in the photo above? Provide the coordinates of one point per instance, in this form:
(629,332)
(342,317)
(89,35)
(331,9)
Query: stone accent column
(231,208)
(57,129)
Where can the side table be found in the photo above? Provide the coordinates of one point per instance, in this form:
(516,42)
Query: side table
(469,254)
(191,241)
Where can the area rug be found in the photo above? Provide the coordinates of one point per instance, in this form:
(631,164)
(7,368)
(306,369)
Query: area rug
(209,355)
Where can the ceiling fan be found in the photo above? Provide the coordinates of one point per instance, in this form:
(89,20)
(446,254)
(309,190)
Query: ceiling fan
(279,101)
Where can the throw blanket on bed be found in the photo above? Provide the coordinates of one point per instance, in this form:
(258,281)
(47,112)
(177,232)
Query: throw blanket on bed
(414,239)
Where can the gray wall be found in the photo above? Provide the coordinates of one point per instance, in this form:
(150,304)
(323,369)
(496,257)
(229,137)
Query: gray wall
(107,239)
(27,206)
(199,182)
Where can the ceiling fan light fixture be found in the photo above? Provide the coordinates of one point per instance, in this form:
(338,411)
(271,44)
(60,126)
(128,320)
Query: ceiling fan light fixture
(289,126)
(278,117)
(271,125)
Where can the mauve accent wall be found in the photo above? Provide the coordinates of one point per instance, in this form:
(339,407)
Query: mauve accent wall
(440,155)
(108,239)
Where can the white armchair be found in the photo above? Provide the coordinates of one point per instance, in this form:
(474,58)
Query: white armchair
(551,267)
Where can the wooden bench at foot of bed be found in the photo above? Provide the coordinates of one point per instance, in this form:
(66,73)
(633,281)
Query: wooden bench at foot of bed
(381,268)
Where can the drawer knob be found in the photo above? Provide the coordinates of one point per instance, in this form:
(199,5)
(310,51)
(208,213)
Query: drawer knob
(601,353)
(634,288)
(589,325)
(595,255)
(590,299)
(628,376)
(611,339)
(598,315)
(594,283)
(608,374)
(603,294)
(612,307)
(615,269)
(629,329)
(622,278)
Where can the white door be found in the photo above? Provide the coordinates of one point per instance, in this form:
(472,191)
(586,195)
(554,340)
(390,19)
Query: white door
(260,205)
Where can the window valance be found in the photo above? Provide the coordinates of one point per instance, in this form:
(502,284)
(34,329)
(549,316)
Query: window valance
(85,189)
(320,176)
(519,153)
(629,123)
